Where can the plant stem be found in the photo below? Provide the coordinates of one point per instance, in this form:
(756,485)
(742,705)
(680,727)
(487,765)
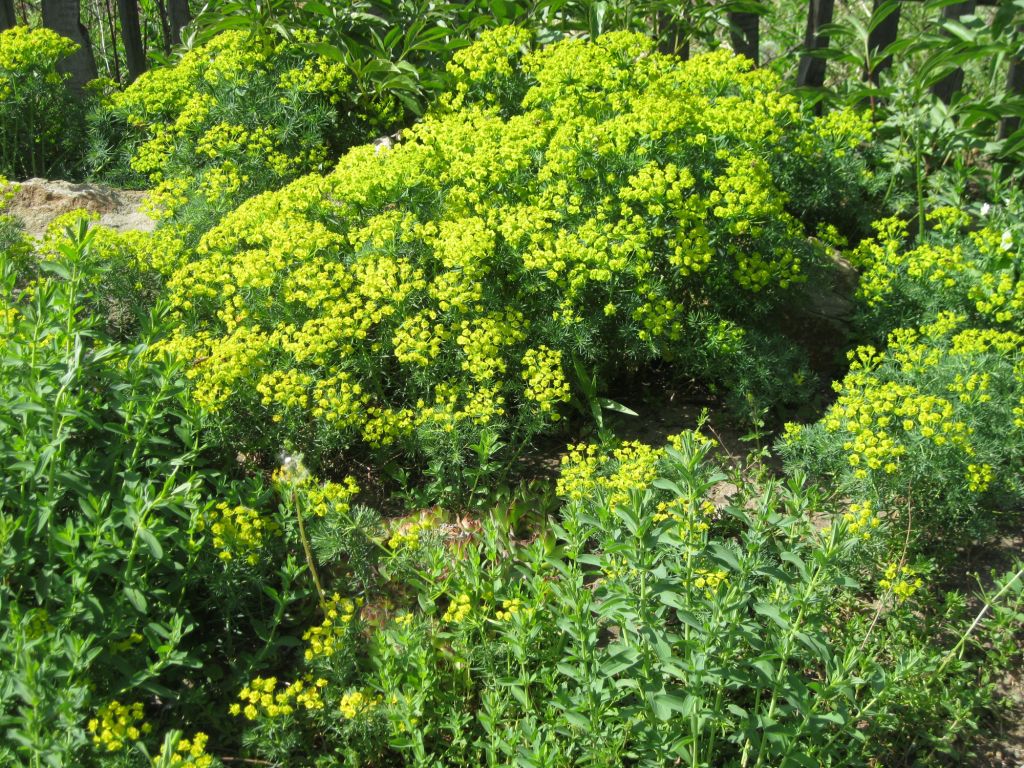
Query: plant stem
(308,550)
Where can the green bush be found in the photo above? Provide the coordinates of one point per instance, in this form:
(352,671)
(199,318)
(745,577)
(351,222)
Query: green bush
(930,431)
(12,238)
(958,265)
(41,123)
(583,209)
(647,626)
(116,540)
(228,120)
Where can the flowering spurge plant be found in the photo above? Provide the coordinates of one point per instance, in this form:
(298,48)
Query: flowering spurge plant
(228,120)
(649,626)
(960,264)
(40,121)
(589,202)
(930,428)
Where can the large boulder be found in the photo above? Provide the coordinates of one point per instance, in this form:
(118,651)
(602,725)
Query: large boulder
(37,202)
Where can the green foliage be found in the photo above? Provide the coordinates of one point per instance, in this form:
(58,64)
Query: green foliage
(398,48)
(958,265)
(648,626)
(110,583)
(931,429)
(590,202)
(944,152)
(930,424)
(12,239)
(41,131)
(227,121)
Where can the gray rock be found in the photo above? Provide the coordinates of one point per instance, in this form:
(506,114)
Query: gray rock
(37,202)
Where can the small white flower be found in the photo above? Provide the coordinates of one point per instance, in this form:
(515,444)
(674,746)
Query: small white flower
(1007,242)
(985,208)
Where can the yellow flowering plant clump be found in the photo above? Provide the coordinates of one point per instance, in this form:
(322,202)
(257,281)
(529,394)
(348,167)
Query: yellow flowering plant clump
(627,206)
(926,426)
(240,532)
(228,120)
(117,725)
(961,263)
(189,753)
(40,121)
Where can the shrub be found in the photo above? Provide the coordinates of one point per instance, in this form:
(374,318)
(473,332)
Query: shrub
(12,238)
(931,428)
(592,203)
(226,121)
(127,288)
(958,265)
(648,626)
(113,531)
(41,131)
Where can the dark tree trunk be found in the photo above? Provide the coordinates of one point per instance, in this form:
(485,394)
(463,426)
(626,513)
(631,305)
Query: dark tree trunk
(746,34)
(954,81)
(1014,85)
(165,26)
(131,36)
(812,69)
(881,37)
(63,17)
(7,18)
(179,16)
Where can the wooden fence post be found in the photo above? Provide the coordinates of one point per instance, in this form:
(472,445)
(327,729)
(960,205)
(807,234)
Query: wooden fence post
(812,69)
(882,36)
(7,17)
(954,81)
(746,34)
(1014,85)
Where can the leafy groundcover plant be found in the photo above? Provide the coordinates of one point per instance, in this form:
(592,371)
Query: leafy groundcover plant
(116,538)
(588,206)
(646,625)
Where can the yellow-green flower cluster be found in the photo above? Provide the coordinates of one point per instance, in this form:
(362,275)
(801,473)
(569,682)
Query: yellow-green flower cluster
(494,57)
(459,609)
(709,580)
(879,416)
(261,697)
(545,380)
(221,122)
(240,530)
(23,49)
(116,724)
(585,474)
(901,580)
(692,518)
(37,127)
(409,535)
(189,753)
(933,415)
(356,703)
(965,271)
(326,639)
(616,567)
(331,497)
(861,519)
(979,477)
(509,608)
